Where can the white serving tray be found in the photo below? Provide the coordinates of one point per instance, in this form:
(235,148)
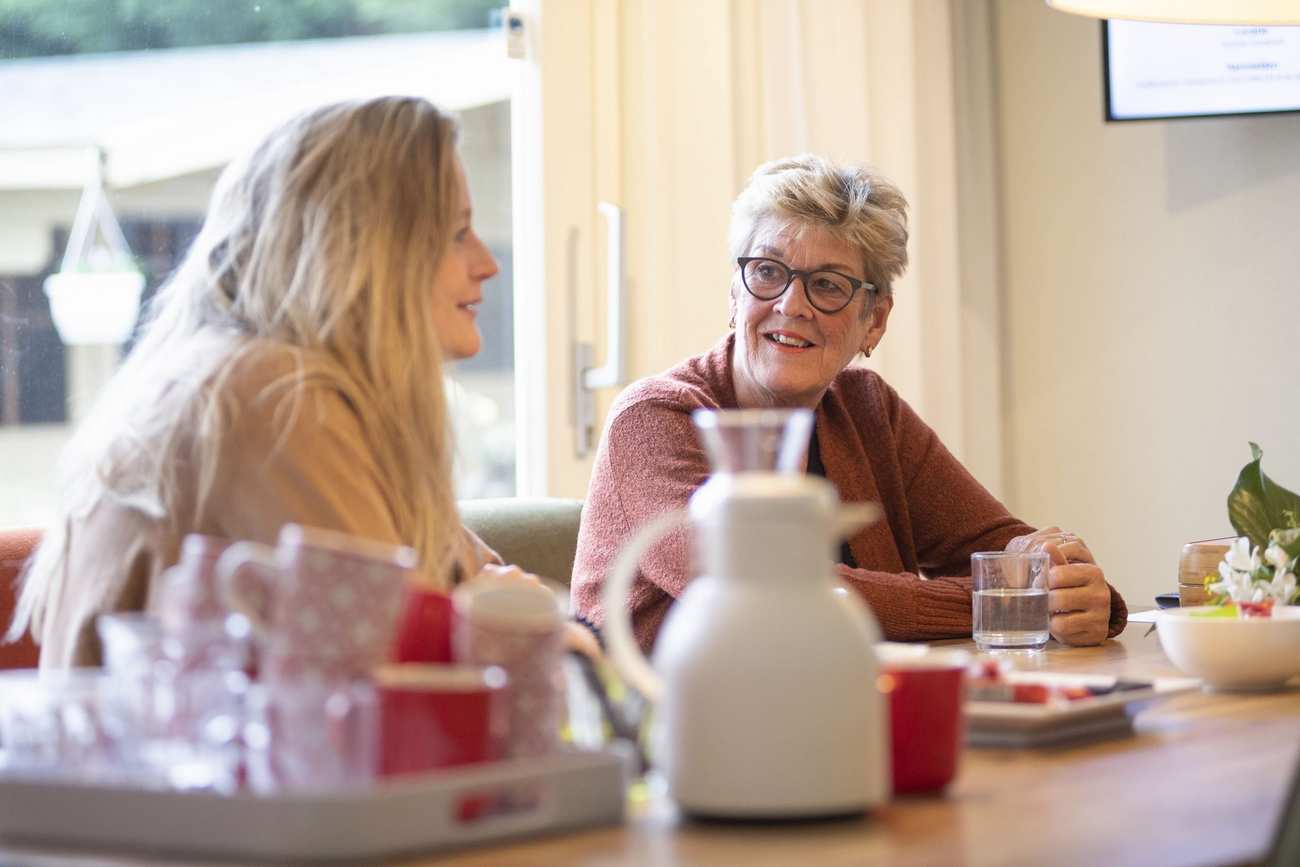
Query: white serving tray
(999,723)
(422,814)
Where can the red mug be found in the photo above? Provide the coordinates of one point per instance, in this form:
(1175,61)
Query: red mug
(924,691)
(425,628)
(439,716)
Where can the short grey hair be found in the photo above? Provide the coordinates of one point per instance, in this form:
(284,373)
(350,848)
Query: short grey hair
(855,203)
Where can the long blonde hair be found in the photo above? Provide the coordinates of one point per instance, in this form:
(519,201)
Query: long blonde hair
(324,241)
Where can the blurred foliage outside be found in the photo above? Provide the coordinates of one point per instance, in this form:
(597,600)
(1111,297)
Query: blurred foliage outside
(41,28)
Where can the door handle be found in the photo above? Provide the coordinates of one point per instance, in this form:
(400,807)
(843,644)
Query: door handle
(611,374)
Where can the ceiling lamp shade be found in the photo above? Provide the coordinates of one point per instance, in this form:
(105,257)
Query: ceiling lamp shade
(1187,11)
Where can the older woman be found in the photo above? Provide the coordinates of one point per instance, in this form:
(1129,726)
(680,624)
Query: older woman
(817,247)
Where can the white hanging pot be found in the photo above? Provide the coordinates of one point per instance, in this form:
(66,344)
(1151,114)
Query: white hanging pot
(95,296)
(90,307)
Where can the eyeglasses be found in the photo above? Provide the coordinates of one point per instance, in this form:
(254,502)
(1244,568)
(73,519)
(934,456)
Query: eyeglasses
(827,291)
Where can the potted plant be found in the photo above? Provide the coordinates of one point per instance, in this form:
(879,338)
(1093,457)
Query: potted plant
(95,296)
(95,306)
(1259,570)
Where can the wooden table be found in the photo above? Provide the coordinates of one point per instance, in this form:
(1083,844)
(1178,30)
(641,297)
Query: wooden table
(1202,782)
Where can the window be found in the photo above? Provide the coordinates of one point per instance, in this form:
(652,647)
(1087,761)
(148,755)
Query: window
(161,96)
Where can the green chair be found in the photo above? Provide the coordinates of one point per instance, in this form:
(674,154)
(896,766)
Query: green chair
(537,534)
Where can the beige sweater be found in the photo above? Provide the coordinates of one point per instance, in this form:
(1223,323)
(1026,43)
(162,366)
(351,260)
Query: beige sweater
(875,449)
(312,467)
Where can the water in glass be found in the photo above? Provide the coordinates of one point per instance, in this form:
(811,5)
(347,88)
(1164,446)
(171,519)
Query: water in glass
(1011,619)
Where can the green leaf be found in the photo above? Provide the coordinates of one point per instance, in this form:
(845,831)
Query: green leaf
(1247,510)
(1258,505)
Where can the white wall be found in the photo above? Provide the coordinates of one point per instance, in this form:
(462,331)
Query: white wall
(1151,304)
(26,218)
(28,457)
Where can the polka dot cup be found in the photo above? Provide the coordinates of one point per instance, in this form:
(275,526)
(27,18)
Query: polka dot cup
(322,604)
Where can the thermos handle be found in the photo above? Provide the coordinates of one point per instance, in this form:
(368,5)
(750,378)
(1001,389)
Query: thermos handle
(619,639)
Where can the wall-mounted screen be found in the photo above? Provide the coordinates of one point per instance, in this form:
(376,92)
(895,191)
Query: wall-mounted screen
(1197,70)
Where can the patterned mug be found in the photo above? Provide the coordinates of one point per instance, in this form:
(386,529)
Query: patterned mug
(201,631)
(519,626)
(321,603)
(187,592)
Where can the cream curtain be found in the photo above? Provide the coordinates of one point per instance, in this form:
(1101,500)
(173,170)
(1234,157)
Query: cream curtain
(872,82)
(689,96)
(711,89)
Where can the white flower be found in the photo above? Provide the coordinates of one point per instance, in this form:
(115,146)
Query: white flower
(1237,586)
(1242,563)
(1225,571)
(1240,557)
(1277,557)
(1282,587)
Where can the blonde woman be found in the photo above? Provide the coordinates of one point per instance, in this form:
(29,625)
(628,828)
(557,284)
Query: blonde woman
(291,370)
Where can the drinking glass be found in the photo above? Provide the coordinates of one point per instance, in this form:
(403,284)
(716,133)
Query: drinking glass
(187,593)
(183,694)
(69,724)
(132,642)
(1010,600)
(312,734)
(136,643)
(189,731)
(1059,541)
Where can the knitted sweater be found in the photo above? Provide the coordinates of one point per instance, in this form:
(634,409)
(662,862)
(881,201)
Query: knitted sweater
(874,448)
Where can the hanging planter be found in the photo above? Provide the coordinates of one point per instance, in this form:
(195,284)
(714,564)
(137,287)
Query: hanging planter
(95,295)
(94,306)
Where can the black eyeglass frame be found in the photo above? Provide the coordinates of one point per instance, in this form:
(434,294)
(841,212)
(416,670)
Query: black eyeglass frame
(804,277)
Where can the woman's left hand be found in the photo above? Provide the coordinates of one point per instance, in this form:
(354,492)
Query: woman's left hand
(1078,595)
(582,640)
(477,553)
(576,636)
(1079,600)
(496,572)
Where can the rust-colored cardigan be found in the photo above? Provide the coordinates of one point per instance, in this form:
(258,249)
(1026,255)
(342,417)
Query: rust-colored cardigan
(874,448)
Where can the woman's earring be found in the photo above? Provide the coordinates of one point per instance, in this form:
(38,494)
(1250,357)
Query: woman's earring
(732,323)
(867,352)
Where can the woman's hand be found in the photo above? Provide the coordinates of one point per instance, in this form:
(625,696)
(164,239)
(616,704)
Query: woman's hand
(576,636)
(477,554)
(582,640)
(1078,595)
(1079,599)
(497,572)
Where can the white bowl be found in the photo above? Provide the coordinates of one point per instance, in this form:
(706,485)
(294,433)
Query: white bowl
(1232,653)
